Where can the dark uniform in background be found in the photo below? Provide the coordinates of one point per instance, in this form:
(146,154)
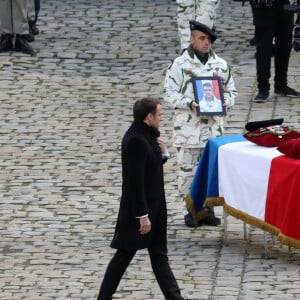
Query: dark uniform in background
(272,22)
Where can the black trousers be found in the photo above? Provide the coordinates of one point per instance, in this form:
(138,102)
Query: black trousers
(272,23)
(37,6)
(161,268)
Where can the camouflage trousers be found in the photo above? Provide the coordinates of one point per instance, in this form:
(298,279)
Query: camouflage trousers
(187,161)
(203,11)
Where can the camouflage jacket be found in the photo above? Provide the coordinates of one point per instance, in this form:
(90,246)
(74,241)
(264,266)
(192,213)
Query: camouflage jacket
(192,131)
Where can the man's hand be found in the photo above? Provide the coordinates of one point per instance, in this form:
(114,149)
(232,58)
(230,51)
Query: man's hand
(162,145)
(145,225)
(194,107)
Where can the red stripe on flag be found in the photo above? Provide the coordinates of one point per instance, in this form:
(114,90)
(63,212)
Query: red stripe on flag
(282,206)
(216,89)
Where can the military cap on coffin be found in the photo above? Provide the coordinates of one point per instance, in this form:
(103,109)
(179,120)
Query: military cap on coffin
(269,133)
(261,124)
(194,25)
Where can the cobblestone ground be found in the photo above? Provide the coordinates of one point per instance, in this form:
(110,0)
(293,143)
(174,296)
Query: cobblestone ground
(63,112)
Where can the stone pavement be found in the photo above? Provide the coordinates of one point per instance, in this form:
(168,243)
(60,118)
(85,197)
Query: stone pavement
(63,112)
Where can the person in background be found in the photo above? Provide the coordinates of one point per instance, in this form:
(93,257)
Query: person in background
(142,217)
(33,9)
(296,43)
(203,11)
(190,131)
(272,22)
(13,23)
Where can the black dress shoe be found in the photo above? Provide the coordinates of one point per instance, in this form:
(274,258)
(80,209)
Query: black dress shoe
(22,45)
(210,220)
(32,28)
(287,92)
(261,97)
(6,43)
(29,37)
(188,221)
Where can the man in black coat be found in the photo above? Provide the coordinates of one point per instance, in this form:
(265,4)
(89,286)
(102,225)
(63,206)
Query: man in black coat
(142,218)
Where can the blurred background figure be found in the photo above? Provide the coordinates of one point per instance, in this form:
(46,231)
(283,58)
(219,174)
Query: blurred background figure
(272,23)
(294,7)
(203,11)
(297,33)
(14,23)
(33,7)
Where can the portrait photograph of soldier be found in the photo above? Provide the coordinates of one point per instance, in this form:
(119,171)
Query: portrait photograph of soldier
(209,97)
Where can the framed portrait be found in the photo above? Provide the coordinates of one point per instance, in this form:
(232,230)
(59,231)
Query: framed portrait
(209,95)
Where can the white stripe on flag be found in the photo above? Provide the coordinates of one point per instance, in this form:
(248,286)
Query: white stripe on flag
(243,176)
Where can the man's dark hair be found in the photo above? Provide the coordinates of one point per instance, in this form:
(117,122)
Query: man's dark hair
(143,107)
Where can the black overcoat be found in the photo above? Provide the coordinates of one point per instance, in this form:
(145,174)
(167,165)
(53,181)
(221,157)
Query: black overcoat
(142,190)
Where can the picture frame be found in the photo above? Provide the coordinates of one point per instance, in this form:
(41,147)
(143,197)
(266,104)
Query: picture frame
(206,88)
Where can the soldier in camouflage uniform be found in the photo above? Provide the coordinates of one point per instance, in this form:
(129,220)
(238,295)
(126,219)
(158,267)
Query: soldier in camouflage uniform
(191,132)
(203,11)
